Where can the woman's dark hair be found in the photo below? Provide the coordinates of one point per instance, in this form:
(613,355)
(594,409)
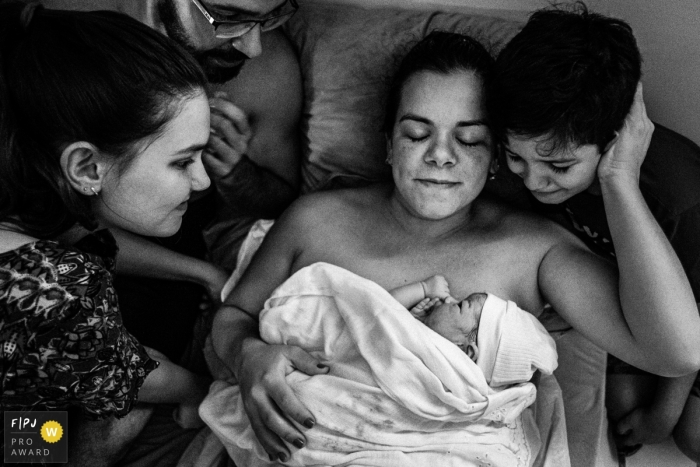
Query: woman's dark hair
(439,52)
(570,75)
(68,76)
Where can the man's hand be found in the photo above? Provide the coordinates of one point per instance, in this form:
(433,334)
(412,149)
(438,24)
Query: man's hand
(229,137)
(625,154)
(270,403)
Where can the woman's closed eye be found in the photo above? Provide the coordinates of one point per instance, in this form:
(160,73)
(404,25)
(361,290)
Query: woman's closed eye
(183,163)
(560,169)
(470,144)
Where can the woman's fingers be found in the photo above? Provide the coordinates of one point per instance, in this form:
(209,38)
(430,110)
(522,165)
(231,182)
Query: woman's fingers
(267,421)
(274,410)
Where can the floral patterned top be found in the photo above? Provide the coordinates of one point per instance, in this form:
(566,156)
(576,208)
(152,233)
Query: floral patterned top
(62,341)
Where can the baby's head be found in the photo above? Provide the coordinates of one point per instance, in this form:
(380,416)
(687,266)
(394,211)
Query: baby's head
(458,322)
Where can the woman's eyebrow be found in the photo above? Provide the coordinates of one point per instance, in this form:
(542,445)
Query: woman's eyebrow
(228,9)
(463,123)
(191,148)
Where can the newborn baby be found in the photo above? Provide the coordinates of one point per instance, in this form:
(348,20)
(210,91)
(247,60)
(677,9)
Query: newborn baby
(507,343)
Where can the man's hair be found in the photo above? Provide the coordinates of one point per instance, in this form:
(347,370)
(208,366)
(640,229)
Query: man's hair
(569,75)
(68,76)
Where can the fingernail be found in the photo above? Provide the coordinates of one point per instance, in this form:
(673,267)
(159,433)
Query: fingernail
(298,443)
(309,423)
(282,457)
(321,366)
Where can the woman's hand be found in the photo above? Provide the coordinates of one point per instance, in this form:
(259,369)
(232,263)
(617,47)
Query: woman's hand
(270,403)
(229,137)
(625,154)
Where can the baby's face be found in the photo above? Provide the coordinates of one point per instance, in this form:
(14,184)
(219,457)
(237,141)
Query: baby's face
(457,322)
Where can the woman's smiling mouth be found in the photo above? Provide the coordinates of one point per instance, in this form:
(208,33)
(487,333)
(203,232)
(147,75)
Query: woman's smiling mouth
(437,183)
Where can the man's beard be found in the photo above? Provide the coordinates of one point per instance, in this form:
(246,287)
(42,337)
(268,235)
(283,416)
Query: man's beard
(216,72)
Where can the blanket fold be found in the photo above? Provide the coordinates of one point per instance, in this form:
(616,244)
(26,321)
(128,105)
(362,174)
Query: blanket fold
(397,394)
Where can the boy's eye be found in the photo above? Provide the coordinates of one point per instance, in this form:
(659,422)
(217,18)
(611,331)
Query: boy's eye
(513,157)
(559,169)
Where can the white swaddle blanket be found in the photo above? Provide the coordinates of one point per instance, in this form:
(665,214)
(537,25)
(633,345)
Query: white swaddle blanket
(397,393)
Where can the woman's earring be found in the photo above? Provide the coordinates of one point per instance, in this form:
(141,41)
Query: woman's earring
(85,189)
(388,160)
(97,193)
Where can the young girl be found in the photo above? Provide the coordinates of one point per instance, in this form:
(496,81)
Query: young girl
(102,125)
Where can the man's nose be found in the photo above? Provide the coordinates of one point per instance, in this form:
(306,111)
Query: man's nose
(249,43)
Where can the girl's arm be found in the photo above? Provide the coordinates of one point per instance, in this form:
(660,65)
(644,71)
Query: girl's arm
(141,257)
(173,384)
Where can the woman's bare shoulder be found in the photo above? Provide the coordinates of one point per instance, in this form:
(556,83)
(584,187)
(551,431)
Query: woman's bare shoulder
(348,201)
(527,225)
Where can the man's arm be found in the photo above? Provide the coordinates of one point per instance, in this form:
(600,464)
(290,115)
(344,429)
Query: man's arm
(254,157)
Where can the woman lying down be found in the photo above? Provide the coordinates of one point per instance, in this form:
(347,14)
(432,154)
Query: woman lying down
(397,393)
(431,220)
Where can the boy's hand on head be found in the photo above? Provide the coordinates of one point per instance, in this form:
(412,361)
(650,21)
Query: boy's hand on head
(436,287)
(625,154)
(228,139)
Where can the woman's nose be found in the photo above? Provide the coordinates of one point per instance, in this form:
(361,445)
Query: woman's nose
(199,178)
(440,154)
(249,43)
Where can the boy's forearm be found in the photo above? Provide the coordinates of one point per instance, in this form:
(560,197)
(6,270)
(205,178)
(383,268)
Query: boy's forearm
(655,294)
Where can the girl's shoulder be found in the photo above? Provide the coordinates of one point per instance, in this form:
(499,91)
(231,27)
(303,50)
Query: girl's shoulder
(56,262)
(11,240)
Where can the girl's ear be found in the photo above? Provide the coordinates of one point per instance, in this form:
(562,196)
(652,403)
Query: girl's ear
(83,167)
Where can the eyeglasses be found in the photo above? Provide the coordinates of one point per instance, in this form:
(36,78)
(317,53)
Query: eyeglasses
(230,29)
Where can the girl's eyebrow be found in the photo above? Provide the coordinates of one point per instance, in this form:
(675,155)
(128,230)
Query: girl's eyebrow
(192,148)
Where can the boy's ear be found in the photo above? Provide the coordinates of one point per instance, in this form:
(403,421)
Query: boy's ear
(83,167)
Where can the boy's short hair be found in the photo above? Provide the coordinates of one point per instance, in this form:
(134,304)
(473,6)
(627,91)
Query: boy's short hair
(570,75)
